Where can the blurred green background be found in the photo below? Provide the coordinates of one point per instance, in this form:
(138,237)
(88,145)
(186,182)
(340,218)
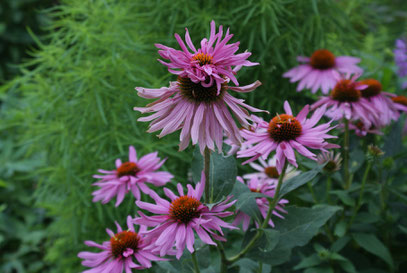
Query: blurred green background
(68,71)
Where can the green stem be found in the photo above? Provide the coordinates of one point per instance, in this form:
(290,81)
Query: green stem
(359,202)
(328,189)
(260,267)
(195,262)
(272,205)
(207,161)
(346,155)
(224,260)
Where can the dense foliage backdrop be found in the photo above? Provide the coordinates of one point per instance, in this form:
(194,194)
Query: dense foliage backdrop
(69,112)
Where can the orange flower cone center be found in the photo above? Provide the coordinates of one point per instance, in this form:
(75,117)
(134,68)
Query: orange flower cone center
(284,127)
(127,168)
(322,59)
(400,100)
(122,241)
(345,91)
(202,58)
(272,172)
(184,209)
(374,88)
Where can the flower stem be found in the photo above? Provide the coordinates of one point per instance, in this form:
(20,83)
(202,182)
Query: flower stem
(224,261)
(272,205)
(207,161)
(359,202)
(328,189)
(195,262)
(260,267)
(346,155)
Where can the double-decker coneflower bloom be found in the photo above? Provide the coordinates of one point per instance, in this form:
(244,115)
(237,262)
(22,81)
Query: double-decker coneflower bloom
(286,133)
(131,176)
(346,102)
(267,171)
(260,185)
(210,65)
(181,218)
(381,101)
(119,252)
(199,102)
(321,70)
(400,58)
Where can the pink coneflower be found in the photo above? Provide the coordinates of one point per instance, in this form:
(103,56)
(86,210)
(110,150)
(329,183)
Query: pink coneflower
(400,102)
(321,70)
(257,184)
(203,115)
(361,129)
(332,162)
(118,253)
(381,101)
(267,171)
(130,176)
(286,133)
(182,216)
(346,101)
(211,64)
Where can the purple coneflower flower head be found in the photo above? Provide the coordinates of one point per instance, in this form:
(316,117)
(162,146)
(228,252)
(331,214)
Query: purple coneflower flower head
(321,70)
(267,171)
(332,162)
(361,130)
(381,101)
(346,101)
(400,102)
(400,58)
(203,114)
(130,176)
(119,252)
(180,219)
(211,64)
(259,185)
(286,133)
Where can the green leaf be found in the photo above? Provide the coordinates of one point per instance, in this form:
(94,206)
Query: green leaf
(344,197)
(301,224)
(197,165)
(246,265)
(299,180)
(310,261)
(403,229)
(340,243)
(340,228)
(297,229)
(246,200)
(323,269)
(393,140)
(357,158)
(372,244)
(222,173)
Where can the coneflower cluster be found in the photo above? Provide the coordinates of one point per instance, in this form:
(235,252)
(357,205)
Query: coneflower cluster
(198,102)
